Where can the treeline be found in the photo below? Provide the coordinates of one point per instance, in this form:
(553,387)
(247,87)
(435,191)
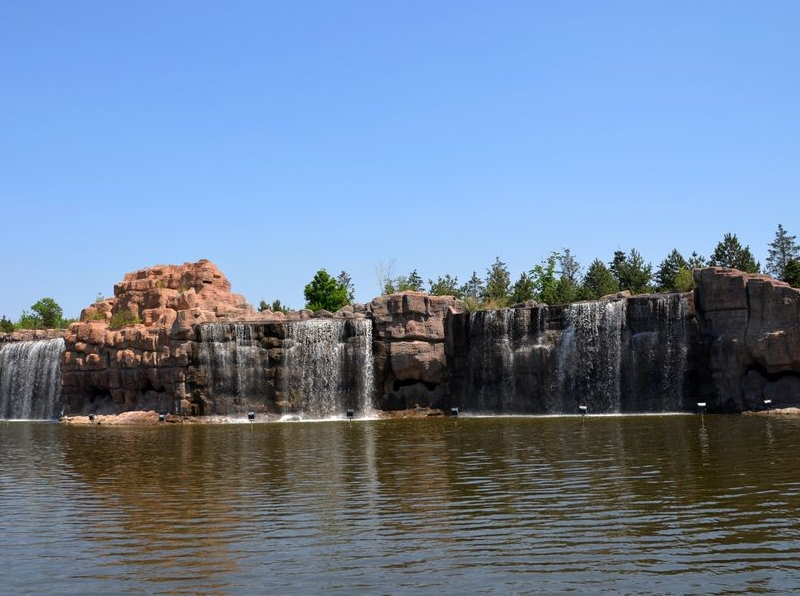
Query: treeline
(45,314)
(560,279)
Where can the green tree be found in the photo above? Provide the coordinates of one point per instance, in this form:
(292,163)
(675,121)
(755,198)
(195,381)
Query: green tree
(445,286)
(668,271)
(791,273)
(473,288)
(634,274)
(263,306)
(684,280)
(570,268)
(598,282)
(275,306)
(345,280)
(696,261)
(498,283)
(782,250)
(404,283)
(6,326)
(325,292)
(524,289)
(545,280)
(616,265)
(46,314)
(731,254)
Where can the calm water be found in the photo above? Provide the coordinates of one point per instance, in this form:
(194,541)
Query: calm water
(627,505)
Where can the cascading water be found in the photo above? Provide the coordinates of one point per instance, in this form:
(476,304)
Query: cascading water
(30,379)
(328,366)
(235,365)
(589,357)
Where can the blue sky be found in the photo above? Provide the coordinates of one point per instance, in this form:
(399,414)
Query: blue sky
(279,138)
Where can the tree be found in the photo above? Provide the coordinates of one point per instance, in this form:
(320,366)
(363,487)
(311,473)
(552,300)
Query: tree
(404,283)
(684,280)
(276,306)
(616,264)
(668,271)
(325,292)
(634,274)
(445,286)
(598,282)
(696,261)
(498,283)
(6,326)
(729,253)
(570,268)
(524,289)
(263,306)
(473,288)
(345,280)
(781,250)
(791,273)
(545,280)
(46,314)
(383,272)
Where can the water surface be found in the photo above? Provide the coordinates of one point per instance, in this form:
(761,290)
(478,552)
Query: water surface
(617,505)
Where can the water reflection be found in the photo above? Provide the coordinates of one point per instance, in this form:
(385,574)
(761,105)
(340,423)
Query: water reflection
(640,505)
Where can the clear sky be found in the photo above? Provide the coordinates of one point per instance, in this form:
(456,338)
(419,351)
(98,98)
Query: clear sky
(279,138)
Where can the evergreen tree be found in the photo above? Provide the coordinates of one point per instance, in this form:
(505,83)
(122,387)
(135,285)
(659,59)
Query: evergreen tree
(545,280)
(616,265)
(498,283)
(263,306)
(445,286)
(473,288)
(696,261)
(634,274)
(414,282)
(6,326)
(570,268)
(325,292)
(668,271)
(791,273)
(276,306)
(781,250)
(524,289)
(598,282)
(730,253)
(345,280)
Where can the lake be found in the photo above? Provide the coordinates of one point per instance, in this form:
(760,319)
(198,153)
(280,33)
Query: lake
(617,505)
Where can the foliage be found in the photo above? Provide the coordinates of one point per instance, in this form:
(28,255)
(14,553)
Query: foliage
(634,274)
(404,283)
(97,316)
(498,283)
(791,273)
(731,254)
(473,288)
(566,290)
(345,280)
(445,286)
(616,265)
(276,306)
(383,273)
(524,289)
(684,280)
(48,312)
(123,318)
(570,268)
(668,270)
(325,292)
(599,281)
(782,250)
(696,261)
(545,281)
(6,326)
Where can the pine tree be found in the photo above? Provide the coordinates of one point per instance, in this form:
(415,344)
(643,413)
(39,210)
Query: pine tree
(792,273)
(523,290)
(345,280)
(782,250)
(473,288)
(634,274)
(598,282)
(498,283)
(696,261)
(731,254)
(445,286)
(668,271)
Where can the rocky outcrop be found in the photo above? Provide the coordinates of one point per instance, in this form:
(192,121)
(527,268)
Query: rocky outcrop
(31,335)
(751,327)
(132,351)
(408,340)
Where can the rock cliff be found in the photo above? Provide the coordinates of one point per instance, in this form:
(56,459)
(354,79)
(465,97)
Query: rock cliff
(751,327)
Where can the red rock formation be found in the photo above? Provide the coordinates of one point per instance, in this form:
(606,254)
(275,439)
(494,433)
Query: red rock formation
(131,351)
(752,328)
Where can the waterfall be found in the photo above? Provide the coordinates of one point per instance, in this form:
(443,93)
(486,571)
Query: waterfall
(328,366)
(589,357)
(30,379)
(235,365)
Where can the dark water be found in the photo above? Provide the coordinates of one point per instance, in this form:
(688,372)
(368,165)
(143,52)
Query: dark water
(617,505)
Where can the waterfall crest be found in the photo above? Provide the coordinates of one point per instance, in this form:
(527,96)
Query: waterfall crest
(30,380)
